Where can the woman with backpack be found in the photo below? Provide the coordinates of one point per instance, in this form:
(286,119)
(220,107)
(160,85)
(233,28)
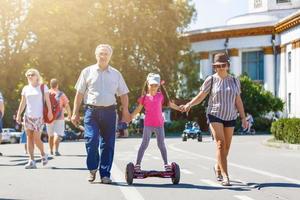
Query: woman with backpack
(33,98)
(224,104)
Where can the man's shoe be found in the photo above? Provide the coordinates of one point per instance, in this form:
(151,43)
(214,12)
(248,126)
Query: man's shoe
(106,180)
(57,153)
(92,175)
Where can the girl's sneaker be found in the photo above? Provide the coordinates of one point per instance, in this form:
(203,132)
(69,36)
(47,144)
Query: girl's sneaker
(168,168)
(137,168)
(30,165)
(45,160)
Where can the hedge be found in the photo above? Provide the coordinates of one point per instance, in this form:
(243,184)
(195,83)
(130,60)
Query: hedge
(287,130)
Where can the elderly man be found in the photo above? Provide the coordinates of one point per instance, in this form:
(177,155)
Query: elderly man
(97,85)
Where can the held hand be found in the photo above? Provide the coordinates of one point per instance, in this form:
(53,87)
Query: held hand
(245,123)
(69,118)
(75,119)
(186,107)
(50,115)
(126,117)
(181,108)
(19,120)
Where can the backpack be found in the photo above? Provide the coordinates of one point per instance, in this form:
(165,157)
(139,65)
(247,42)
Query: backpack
(55,106)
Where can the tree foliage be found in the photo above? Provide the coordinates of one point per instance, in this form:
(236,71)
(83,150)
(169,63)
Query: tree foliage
(258,101)
(59,38)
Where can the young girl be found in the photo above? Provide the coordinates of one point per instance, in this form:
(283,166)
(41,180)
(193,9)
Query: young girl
(154,96)
(32,98)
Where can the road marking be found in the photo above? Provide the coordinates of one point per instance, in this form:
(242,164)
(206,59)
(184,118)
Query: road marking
(257,171)
(155,158)
(129,192)
(243,197)
(185,171)
(210,182)
(203,167)
(244,183)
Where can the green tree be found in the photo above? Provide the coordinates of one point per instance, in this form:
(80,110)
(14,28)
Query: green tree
(62,36)
(15,42)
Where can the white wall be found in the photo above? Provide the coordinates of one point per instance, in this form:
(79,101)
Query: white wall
(290,35)
(273,5)
(240,42)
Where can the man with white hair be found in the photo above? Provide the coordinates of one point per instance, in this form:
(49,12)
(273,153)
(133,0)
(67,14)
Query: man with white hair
(97,86)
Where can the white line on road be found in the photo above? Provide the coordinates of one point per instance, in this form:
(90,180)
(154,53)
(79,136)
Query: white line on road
(210,182)
(261,172)
(155,158)
(129,192)
(243,197)
(185,171)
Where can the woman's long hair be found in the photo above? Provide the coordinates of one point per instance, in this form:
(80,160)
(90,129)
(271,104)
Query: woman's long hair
(162,89)
(36,72)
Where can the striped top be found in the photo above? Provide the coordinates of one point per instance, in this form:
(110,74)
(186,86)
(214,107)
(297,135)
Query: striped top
(221,102)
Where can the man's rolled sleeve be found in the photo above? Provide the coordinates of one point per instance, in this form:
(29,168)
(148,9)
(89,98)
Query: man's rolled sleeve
(122,87)
(81,83)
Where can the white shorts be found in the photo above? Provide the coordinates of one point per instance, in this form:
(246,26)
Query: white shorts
(57,127)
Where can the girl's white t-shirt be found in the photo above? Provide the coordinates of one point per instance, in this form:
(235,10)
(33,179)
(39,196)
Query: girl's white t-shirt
(34,100)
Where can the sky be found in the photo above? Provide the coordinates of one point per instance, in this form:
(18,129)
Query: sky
(211,13)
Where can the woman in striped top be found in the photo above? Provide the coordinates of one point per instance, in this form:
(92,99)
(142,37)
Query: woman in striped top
(223,106)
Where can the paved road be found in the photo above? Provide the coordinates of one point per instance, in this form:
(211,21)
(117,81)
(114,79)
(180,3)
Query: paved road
(257,172)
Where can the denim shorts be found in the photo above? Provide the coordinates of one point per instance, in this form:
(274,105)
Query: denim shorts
(230,123)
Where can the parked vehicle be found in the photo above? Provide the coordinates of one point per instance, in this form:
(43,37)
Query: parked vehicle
(10,135)
(192,130)
(72,132)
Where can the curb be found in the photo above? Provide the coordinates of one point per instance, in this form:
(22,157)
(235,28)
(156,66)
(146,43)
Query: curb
(281,145)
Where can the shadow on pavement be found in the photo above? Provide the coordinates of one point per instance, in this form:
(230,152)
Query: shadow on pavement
(185,186)
(84,156)
(68,168)
(16,156)
(22,161)
(278,185)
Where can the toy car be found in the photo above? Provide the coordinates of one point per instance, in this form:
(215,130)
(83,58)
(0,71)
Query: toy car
(192,130)
(131,174)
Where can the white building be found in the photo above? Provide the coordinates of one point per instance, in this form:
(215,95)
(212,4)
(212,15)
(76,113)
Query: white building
(264,43)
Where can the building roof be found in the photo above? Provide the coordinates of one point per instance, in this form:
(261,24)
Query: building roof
(269,17)
(263,23)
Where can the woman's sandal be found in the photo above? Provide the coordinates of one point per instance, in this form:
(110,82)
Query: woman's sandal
(218,174)
(225,181)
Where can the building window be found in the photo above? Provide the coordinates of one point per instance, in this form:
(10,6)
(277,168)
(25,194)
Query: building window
(290,103)
(257,3)
(253,65)
(289,58)
(283,1)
